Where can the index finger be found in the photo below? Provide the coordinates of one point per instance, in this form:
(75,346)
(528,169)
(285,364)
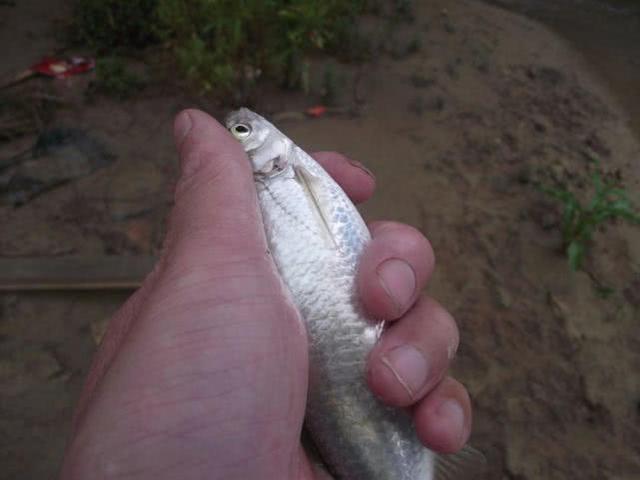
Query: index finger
(354,178)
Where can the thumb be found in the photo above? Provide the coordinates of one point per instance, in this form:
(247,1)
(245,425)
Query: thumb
(215,212)
(216,209)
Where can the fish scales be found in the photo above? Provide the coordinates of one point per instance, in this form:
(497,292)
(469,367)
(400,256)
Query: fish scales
(316,237)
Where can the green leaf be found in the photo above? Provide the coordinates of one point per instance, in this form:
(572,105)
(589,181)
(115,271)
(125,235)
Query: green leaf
(580,221)
(604,292)
(617,191)
(575,252)
(597,183)
(563,195)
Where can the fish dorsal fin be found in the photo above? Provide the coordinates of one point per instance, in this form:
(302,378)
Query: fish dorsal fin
(309,182)
(467,464)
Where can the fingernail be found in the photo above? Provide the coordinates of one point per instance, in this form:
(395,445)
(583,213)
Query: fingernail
(399,281)
(360,166)
(409,366)
(452,411)
(182,127)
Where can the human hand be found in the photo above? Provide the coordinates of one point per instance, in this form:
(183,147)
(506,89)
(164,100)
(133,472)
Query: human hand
(203,372)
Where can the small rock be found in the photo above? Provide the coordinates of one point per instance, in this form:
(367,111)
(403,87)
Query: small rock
(418,80)
(451,70)
(481,64)
(549,221)
(597,146)
(557,172)
(449,28)
(500,183)
(523,176)
(438,104)
(140,233)
(419,105)
(116,242)
(632,292)
(26,367)
(504,297)
(548,75)
(98,329)
(417,139)
(559,308)
(540,123)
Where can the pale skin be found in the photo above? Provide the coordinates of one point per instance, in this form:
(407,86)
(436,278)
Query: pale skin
(202,373)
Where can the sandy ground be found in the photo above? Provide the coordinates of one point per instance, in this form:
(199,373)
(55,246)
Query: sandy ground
(457,133)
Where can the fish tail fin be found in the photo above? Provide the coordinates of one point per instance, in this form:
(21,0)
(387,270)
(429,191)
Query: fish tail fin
(466,464)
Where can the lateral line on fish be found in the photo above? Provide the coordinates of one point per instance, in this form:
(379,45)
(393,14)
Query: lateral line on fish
(282,207)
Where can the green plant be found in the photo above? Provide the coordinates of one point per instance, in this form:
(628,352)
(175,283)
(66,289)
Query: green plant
(580,221)
(227,44)
(114,79)
(404,10)
(105,25)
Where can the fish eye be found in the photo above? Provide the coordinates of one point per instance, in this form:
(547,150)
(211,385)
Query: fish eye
(241,130)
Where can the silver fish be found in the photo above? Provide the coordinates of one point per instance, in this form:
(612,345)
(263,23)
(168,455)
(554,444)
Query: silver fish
(316,237)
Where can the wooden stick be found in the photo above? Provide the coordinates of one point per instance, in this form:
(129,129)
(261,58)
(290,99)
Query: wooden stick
(74,273)
(19,77)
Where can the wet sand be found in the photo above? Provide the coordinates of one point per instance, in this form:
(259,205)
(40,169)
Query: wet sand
(606,33)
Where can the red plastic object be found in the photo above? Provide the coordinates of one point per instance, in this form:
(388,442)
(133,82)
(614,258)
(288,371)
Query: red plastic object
(316,111)
(63,67)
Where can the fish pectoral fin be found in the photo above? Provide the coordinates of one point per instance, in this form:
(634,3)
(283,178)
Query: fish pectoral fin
(468,463)
(273,167)
(309,182)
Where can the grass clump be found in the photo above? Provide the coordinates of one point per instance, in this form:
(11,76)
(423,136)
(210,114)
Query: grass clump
(113,78)
(105,25)
(225,44)
(581,220)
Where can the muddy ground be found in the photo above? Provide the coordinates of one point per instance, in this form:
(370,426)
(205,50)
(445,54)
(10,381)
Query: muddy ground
(458,133)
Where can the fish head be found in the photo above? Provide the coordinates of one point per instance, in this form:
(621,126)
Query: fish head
(265,145)
(249,128)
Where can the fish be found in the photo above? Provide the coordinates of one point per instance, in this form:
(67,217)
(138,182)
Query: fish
(316,237)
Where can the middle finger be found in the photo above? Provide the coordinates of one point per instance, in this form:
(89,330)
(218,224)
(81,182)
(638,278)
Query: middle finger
(413,354)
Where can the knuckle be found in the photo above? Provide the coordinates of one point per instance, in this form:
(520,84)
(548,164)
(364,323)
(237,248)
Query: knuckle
(457,387)
(188,182)
(384,227)
(190,160)
(334,166)
(411,239)
(198,167)
(329,158)
(417,242)
(195,154)
(446,326)
(447,323)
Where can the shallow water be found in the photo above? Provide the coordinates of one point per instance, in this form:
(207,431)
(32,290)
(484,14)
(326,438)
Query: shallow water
(606,32)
